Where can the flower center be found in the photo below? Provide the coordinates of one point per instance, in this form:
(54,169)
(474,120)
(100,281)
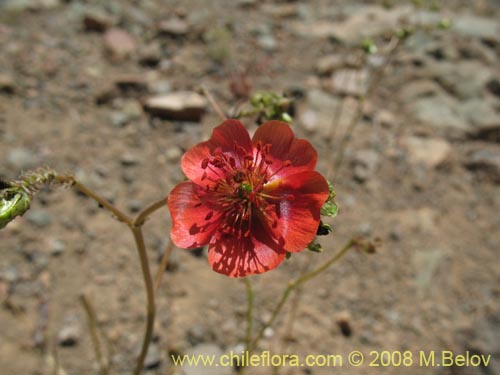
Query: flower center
(236,193)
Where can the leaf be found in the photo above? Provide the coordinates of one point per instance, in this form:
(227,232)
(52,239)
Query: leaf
(330,207)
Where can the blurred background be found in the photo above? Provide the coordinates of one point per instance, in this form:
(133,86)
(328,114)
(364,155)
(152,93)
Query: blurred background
(401,100)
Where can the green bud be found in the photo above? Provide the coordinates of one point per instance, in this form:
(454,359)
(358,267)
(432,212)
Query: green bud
(315,246)
(13,202)
(330,207)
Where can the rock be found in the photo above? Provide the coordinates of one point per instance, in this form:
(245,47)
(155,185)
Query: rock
(327,64)
(484,120)
(365,164)
(419,89)
(365,21)
(465,79)
(7,84)
(477,27)
(22,5)
(180,105)
(486,163)
(128,160)
(173,154)
(208,350)
(267,42)
(151,54)
(426,263)
(439,111)
(22,158)
(39,218)
(174,27)
(132,85)
(198,334)
(493,86)
(119,43)
(135,205)
(98,21)
(349,82)
(153,358)
(317,117)
(119,119)
(70,334)
(57,247)
(430,152)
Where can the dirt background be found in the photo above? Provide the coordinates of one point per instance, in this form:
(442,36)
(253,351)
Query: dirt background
(421,172)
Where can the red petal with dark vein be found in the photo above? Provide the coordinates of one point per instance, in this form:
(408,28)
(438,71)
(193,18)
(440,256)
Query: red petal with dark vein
(223,138)
(194,224)
(285,148)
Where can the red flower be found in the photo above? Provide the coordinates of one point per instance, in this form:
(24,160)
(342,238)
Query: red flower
(250,200)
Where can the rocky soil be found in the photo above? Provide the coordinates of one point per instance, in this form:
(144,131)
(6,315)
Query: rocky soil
(109,91)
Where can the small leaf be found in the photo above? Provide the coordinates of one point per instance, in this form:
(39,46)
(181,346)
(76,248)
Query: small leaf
(330,207)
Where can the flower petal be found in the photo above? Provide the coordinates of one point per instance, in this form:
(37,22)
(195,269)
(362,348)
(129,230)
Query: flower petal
(193,223)
(285,147)
(295,219)
(224,137)
(241,257)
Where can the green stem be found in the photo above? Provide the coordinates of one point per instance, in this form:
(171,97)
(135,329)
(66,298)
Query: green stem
(294,284)
(250,299)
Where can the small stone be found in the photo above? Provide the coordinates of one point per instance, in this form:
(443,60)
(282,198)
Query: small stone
(135,205)
(174,27)
(98,21)
(480,113)
(349,82)
(119,43)
(328,64)
(477,27)
(128,160)
(486,163)
(464,79)
(343,321)
(365,164)
(198,334)
(57,247)
(119,119)
(267,42)
(439,111)
(132,85)
(153,358)
(69,335)
(173,154)
(419,89)
(430,152)
(7,84)
(180,105)
(39,218)
(22,158)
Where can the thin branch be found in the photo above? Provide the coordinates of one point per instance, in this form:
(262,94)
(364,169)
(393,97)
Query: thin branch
(163,264)
(292,285)
(92,323)
(213,103)
(66,179)
(144,214)
(151,308)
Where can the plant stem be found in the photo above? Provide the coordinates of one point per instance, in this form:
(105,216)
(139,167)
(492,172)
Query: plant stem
(291,286)
(213,103)
(92,323)
(67,179)
(144,214)
(135,227)
(151,308)
(249,317)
